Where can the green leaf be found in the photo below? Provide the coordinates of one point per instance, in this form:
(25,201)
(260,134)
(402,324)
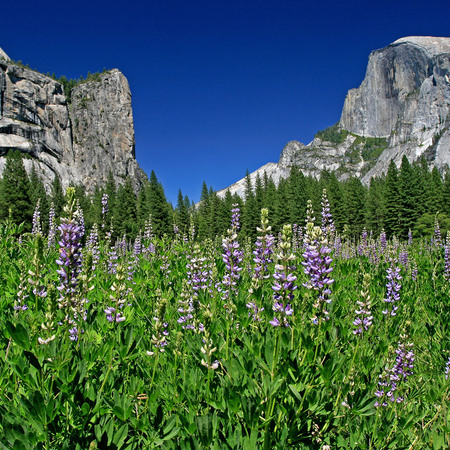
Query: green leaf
(32,360)
(120,435)
(19,334)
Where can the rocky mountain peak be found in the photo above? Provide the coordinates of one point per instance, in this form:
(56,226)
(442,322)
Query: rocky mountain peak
(402,108)
(432,45)
(3,55)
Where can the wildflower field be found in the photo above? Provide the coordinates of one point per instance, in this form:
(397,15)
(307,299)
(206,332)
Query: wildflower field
(306,339)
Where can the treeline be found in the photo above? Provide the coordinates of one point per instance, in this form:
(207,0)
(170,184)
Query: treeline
(408,198)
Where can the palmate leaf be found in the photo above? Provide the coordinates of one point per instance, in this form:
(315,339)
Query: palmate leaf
(19,334)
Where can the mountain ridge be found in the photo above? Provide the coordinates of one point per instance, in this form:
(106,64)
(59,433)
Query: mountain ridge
(401,108)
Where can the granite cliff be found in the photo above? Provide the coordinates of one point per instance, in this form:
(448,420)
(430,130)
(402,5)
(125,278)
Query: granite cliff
(402,107)
(81,141)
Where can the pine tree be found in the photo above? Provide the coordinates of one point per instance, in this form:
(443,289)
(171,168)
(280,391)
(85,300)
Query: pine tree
(38,193)
(336,198)
(408,199)
(446,194)
(355,194)
(204,214)
(437,191)
(250,214)
(125,211)
(57,196)
(182,214)
(392,201)
(374,207)
(296,196)
(281,206)
(15,198)
(143,209)
(159,208)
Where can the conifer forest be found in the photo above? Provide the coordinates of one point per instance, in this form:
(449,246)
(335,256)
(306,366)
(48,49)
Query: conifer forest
(312,314)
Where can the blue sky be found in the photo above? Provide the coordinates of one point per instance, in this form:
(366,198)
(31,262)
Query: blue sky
(217,87)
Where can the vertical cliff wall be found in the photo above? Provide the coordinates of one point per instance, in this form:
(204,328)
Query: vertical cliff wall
(80,142)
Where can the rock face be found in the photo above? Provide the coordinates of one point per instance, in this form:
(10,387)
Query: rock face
(103,132)
(81,143)
(401,108)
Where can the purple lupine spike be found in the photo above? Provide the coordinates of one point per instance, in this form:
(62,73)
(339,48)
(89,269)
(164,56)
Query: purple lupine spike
(232,256)
(383,241)
(447,369)
(263,248)
(403,258)
(79,219)
(51,226)
(37,229)
(160,326)
(317,267)
(69,259)
(393,380)
(392,294)
(105,208)
(363,313)
(284,286)
(447,257)
(92,245)
(437,233)
(137,247)
(328,227)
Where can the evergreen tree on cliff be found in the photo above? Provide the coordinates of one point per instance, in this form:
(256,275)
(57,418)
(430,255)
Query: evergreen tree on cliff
(15,199)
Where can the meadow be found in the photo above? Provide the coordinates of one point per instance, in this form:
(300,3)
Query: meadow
(307,339)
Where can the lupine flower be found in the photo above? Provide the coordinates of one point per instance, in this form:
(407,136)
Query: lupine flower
(73,334)
(51,226)
(160,326)
(69,256)
(414,271)
(186,307)
(92,245)
(328,227)
(363,243)
(383,241)
(113,315)
(79,219)
(254,312)
(232,256)
(364,316)
(137,247)
(207,349)
(392,381)
(437,233)
(19,304)
(393,287)
(264,249)
(37,229)
(410,237)
(403,258)
(284,286)
(119,298)
(447,257)
(447,369)
(317,266)
(105,208)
